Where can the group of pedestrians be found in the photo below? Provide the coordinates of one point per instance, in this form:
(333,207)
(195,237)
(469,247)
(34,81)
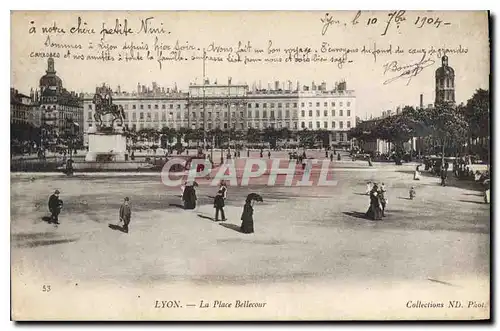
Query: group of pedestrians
(378,201)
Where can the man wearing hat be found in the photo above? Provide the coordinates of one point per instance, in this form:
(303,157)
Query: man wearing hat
(125,214)
(55,206)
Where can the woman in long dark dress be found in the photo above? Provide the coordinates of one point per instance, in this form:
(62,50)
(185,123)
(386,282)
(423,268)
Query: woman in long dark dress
(189,197)
(247,217)
(375,210)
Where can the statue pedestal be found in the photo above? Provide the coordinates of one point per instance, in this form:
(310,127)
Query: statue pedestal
(106,147)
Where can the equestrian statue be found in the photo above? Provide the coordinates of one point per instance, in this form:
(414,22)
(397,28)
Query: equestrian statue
(103,102)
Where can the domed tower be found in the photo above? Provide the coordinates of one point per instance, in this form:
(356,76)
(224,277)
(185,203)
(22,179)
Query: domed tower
(50,80)
(445,83)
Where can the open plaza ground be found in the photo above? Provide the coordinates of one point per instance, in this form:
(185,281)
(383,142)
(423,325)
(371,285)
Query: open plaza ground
(440,241)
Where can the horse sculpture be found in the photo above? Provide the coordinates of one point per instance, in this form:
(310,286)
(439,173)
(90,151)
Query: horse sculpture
(103,102)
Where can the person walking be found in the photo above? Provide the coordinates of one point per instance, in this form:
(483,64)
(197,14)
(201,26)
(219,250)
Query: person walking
(383,200)
(444,174)
(247,217)
(219,206)
(269,154)
(125,214)
(375,210)
(331,157)
(55,206)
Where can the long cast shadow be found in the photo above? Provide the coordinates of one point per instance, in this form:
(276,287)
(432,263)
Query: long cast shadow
(176,205)
(356,214)
(37,243)
(403,198)
(206,217)
(476,202)
(231,226)
(117,228)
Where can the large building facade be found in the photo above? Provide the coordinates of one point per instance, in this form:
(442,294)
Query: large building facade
(236,106)
(21,108)
(58,107)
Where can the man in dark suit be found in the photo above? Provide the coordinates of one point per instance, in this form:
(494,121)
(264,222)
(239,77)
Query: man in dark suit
(125,214)
(55,205)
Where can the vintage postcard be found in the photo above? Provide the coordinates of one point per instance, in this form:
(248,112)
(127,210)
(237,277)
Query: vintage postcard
(250,165)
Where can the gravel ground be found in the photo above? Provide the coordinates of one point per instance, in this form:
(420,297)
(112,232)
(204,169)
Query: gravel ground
(304,235)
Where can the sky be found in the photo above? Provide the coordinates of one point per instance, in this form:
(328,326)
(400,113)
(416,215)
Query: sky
(466,32)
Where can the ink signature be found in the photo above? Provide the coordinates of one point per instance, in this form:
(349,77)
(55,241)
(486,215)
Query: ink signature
(406,71)
(327,21)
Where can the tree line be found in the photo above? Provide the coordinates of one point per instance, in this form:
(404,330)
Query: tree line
(463,128)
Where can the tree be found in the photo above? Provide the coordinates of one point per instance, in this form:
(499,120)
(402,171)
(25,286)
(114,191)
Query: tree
(166,136)
(253,135)
(477,113)
(323,136)
(447,124)
(270,135)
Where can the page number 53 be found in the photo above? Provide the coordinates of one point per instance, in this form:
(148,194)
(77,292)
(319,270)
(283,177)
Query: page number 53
(46,288)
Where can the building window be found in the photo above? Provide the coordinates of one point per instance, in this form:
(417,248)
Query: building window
(141,116)
(310,113)
(264,114)
(225,114)
(126,106)
(317,125)
(279,104)
(333,104)
(90,115)
(249,105)
(348,124)
(178,106)
(241,114)
(142,106)
(341,137)
(163,106)
(149,106)
(287,105)
(90,125)
(340,104)
(341,112)
(348,104)
(134,116)
(90,106)
(164,116)
(333,112)
(287,113)
(294,105)
(333,125)
(256,105)
(310,104)
(302,104)
(325,113)
(149,116)
(134,106)
(156,106)
(317,104)
(264,105)
(249,114)
(341,125)
(310,124)
(317,113)
(325,125)
(303,125)
(303,113)
(193,114)
(295,125)
(257,114)
(171,106)
(348,112)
